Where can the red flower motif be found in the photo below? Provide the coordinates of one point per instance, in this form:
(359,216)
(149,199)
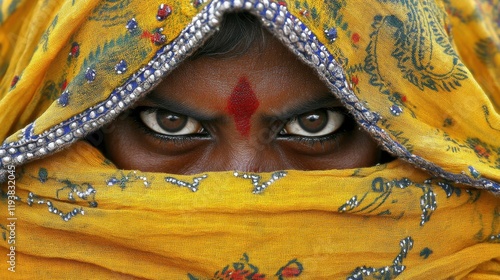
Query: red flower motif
(282,3)
(242,275)
(164,11)
(75,50)
(304,12)
(481,151)
(355,38)
(403,98)
(259,276)
(355,80)
(64,85)
(243,270)
(237,274)
(290,272)
(156,38)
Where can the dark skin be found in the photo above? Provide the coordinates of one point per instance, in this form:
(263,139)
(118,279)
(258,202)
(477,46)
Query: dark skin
(186,126)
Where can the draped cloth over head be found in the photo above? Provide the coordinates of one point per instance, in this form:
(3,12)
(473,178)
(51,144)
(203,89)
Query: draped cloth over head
(422,77)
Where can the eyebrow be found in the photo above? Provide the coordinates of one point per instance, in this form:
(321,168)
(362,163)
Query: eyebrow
(328,100)
(179,108)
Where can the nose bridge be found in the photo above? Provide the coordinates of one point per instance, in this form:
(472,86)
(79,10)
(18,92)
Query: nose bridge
(242,157)
(249,156)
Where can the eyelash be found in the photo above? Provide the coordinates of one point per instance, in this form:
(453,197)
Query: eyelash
(310,141)
(177,140)
(347,126)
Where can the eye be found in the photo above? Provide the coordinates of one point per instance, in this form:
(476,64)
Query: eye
(315,123)
(169,123)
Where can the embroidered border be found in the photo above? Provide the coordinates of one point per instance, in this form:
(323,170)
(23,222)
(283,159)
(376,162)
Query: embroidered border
(387,272)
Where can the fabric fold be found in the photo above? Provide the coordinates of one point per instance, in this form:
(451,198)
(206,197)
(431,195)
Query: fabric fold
(421,77)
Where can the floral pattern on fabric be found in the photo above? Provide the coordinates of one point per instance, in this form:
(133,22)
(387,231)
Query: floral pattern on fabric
(381,190)
(413,34)
(420,76)
(178,219)
(413,51)
(244,270)
(388,272)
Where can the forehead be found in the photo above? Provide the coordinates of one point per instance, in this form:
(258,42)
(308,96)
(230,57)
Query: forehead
(272,72)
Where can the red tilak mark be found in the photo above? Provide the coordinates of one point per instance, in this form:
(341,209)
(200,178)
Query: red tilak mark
(242,104)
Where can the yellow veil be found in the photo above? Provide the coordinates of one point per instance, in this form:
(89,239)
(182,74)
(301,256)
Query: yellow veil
(422,77)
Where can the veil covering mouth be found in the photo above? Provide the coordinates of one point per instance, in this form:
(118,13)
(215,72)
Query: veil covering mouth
(422,77)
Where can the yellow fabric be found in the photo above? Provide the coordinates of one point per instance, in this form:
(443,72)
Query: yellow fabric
(429,69)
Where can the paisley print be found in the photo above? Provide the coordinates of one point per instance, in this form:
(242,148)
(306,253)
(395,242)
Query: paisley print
(417,39)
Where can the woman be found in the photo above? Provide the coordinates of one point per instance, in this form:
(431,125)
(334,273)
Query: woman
(237,190)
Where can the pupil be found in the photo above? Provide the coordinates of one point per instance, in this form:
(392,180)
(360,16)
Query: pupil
(171,122)
(313,122)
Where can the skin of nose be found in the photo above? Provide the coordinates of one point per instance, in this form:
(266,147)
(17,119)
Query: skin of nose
(251,155)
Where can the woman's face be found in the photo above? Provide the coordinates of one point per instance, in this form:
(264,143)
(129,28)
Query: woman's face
(262,111)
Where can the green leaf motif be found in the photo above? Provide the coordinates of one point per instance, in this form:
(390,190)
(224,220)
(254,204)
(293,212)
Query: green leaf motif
(45,37)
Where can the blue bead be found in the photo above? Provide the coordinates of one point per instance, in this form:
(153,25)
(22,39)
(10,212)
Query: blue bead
(331,34)
(474,172)
(28,131)
(113,181)
(64,99)
(90,75)
(396,110)
(496,187)
(132,24)
(121,67)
